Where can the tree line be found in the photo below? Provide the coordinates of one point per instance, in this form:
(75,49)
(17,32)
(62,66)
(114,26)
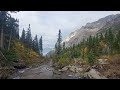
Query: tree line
(9,34)
(107,43)
(9,29)
(31,43)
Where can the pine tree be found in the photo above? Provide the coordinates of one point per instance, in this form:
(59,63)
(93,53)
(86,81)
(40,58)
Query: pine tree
(94,48)
(23,36)
(59,48)
(91,58)
(3,20)
(63,45)
(97,45)
(36,47)
(90,43)
(41,46)
(110,40)
(117,42)
(29,38)
(8,29)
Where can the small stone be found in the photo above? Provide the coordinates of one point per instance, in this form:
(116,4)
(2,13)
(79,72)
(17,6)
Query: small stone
(65,68)
(70,75)
(17,77)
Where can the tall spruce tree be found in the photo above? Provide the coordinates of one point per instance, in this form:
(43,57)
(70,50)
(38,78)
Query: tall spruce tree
(8,29)
(3,20)
(23,36)
(41,45)
(58,44)
(63,45)
(29,38)
(36,47)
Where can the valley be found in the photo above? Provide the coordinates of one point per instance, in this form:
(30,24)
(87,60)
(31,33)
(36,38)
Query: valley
(90,52)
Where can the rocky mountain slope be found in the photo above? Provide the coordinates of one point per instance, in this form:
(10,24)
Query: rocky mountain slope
(111,21)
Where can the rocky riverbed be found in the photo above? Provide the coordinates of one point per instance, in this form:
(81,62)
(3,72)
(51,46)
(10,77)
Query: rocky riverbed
(47,71)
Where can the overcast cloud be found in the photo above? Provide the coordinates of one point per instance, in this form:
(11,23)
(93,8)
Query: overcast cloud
(47,23)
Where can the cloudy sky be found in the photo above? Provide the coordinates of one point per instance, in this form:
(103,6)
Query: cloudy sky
(47,23)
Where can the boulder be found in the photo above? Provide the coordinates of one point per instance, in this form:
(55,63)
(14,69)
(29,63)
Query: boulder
(95,74)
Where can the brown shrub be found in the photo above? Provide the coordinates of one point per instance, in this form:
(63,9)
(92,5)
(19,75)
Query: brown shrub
(115,59)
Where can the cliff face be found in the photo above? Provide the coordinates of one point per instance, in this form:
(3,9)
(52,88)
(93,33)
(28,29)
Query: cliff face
(92,29)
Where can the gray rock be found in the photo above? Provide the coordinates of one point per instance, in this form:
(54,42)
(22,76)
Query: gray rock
(70,75)
(95,74)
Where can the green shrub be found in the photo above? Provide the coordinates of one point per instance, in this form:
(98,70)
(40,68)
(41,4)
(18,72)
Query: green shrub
(10,55)
(64,61)
(91,58)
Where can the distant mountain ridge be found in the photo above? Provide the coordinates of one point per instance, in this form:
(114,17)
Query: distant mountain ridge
(92,29)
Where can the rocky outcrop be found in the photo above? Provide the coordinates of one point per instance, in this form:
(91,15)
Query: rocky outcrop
(83,73)
(71,68)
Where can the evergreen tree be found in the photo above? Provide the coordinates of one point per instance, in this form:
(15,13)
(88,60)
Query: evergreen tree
(90,43)
(3,20)
(63,45)
(41,46)
(23,36)
(8,29)
(11,30)
(110,41)
(59,48)
(91,58)
(117,42)
(29,38)
(36,47)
